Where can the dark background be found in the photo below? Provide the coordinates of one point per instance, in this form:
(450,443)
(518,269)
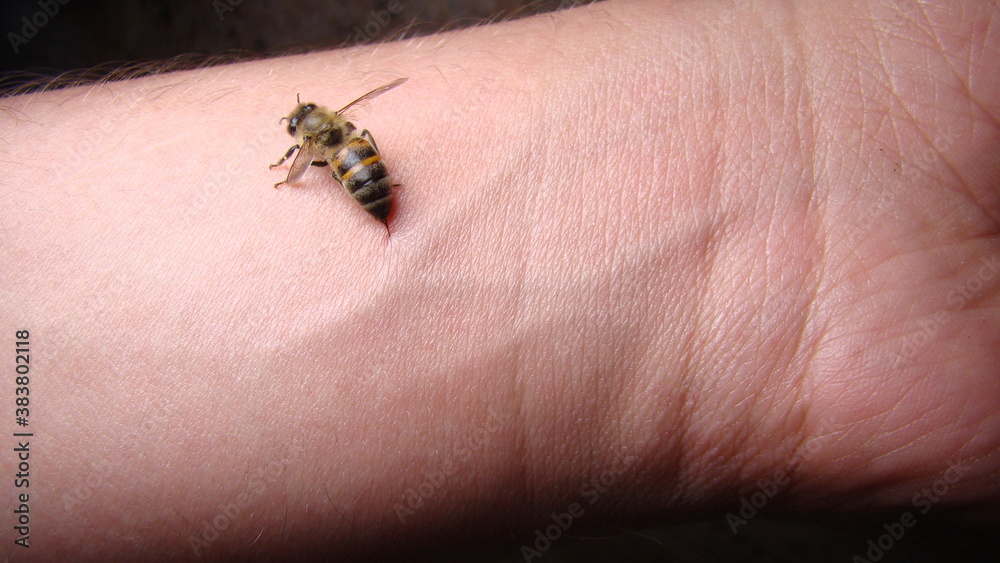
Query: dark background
(90,40)
(89,33)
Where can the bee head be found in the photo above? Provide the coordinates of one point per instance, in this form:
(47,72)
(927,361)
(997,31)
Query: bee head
(298,115)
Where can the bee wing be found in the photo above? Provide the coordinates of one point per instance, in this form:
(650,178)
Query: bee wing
(375,93)
(301,163)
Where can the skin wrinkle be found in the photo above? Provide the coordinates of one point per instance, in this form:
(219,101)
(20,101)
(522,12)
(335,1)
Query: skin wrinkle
(820,241)
(639,411)
(769,242)
(972,197)
(708,245)
(942,52)
(893,91)
(691,358)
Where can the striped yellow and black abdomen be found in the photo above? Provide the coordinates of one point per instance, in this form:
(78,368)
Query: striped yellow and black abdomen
(360,169)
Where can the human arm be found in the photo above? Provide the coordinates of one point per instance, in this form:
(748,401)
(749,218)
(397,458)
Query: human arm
(631,231)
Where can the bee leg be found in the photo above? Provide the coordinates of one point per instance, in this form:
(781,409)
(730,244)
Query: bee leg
(284,158)
(320,163)
(368,137)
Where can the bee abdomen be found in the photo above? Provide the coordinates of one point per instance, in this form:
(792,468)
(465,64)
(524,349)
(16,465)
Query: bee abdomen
(360,169)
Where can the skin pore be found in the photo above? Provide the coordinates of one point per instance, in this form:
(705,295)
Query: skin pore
(690,245)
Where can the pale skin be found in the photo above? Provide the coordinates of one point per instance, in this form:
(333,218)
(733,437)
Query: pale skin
(695,245)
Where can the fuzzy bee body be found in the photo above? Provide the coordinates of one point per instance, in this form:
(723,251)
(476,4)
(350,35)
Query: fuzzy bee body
(326,138)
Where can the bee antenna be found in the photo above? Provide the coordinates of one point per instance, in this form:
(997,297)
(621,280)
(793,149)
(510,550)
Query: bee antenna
(298,100)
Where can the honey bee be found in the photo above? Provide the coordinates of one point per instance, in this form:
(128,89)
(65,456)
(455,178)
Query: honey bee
(326,138)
